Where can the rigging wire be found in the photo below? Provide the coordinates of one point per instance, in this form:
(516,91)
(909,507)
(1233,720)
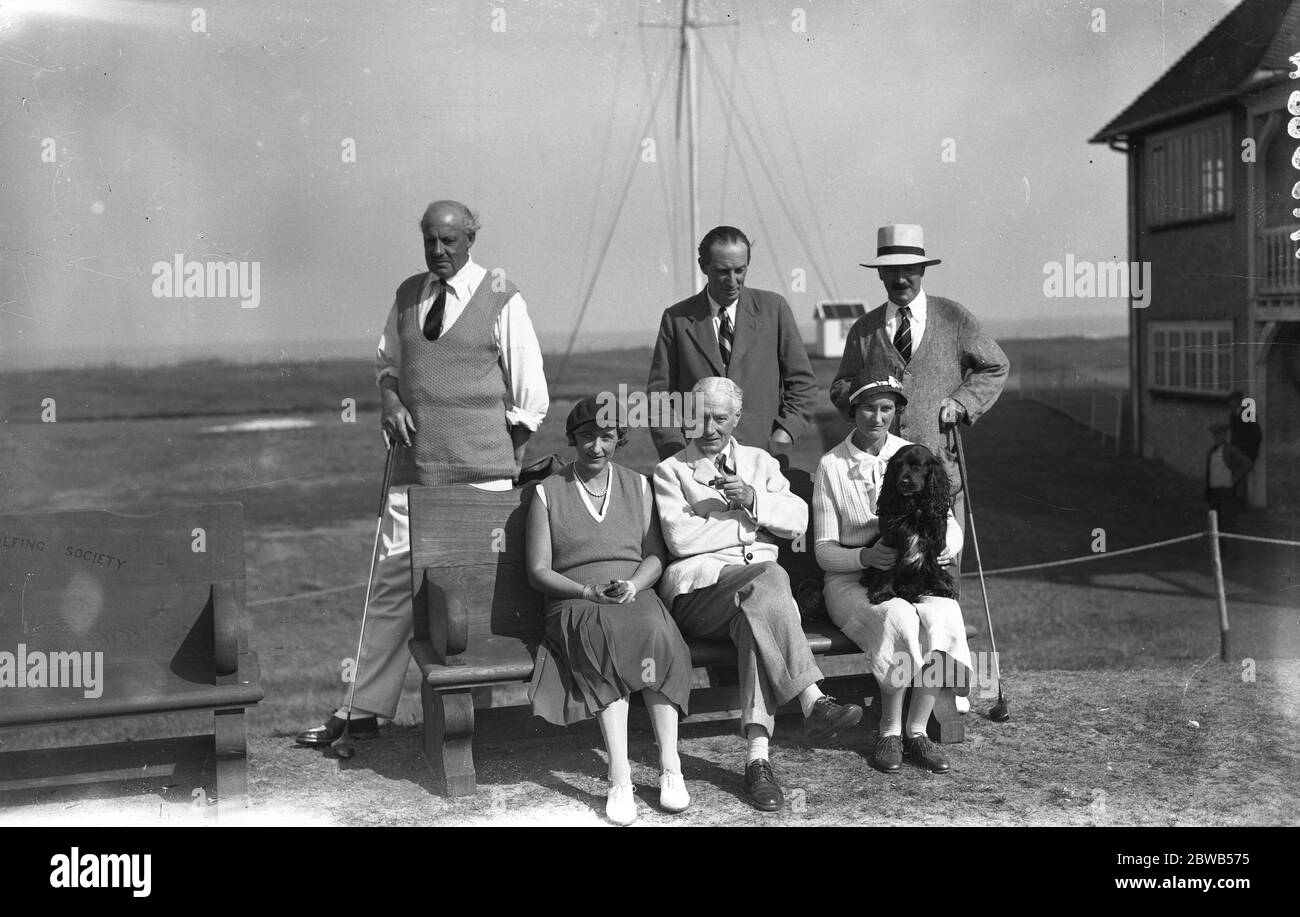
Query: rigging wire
(667,190)
(597,196)
(776,187)
(728,136)
(753,196)
(609,238)
(794,146)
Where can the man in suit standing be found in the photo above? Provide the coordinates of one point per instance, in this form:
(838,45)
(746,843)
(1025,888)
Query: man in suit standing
(739,333)
(951,370)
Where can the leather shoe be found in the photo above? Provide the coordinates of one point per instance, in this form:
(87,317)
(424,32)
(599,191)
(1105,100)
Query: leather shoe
(828,718)
(888,755)
(329,732)
(760,784)
(925,753)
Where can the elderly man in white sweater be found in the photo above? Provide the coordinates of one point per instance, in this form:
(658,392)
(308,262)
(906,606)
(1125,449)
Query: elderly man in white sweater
(720,504)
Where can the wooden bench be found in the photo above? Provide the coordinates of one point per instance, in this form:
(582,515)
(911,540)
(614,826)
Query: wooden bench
(478,623)
(128,616)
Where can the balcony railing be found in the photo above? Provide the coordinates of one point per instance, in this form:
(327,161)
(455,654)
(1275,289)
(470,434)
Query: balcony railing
(1280,270)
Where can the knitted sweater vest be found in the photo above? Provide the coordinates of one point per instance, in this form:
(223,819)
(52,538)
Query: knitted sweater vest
(454,389)
(584,549)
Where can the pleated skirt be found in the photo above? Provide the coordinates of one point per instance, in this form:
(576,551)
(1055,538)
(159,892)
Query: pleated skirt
(596,654)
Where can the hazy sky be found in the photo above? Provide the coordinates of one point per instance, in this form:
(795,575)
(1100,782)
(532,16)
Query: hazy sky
(227,143)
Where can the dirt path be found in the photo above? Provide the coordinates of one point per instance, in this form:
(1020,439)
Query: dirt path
(1174,745)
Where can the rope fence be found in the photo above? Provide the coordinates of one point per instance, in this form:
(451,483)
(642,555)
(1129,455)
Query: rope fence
(1215,558)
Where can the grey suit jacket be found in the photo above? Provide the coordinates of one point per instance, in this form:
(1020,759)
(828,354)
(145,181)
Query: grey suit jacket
(768,361)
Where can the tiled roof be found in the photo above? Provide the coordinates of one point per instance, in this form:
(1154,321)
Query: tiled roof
(1256,34)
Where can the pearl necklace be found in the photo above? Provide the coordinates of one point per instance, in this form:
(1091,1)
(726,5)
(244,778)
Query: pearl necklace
(583,484)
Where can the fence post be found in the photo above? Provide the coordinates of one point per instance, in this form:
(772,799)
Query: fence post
(1216,563)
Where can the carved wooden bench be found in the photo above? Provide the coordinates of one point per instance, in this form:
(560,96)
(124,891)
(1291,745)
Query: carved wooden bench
(478,623)
(106,617)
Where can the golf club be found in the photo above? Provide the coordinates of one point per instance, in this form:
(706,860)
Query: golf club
(344,747)
(1001,711)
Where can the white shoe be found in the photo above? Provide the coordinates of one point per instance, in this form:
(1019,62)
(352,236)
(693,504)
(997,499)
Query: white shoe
(963,704)
(620,804)
(672,792)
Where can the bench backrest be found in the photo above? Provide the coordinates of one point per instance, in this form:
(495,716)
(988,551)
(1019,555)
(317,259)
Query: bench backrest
(134,587)
(475,539)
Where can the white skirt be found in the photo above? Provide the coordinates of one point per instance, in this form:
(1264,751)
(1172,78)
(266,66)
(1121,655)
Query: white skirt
(901,638)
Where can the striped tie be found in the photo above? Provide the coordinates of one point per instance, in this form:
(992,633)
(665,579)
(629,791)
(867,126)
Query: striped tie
(433,321)
(726,334)
(903,336)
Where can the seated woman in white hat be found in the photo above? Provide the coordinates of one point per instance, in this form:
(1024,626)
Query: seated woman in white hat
(901,638)
(595,551)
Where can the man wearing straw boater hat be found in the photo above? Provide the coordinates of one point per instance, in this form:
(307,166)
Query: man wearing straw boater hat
(951,371)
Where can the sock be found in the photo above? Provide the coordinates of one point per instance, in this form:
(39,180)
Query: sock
(891,715)
(915,728)
(670,761)
(808,697)
(757,740)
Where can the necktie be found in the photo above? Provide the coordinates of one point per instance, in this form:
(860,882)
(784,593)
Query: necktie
(433,321)
(726,334)
(721,462)
(903,336)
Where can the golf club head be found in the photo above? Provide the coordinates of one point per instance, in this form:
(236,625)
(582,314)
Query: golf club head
(1001,711)
(344,747)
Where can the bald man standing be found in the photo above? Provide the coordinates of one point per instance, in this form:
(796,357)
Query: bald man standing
(460,374)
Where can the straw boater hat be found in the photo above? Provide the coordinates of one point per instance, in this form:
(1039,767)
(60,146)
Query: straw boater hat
(898,244)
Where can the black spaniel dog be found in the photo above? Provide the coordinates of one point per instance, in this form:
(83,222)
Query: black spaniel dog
(913,507)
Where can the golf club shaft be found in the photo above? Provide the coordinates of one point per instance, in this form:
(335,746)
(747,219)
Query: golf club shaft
(975,541)
(370,579)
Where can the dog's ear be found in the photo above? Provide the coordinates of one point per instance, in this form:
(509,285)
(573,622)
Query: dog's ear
(937,494)
(889,501)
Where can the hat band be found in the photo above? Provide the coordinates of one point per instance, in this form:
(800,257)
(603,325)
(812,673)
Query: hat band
(884,386)
(899,250)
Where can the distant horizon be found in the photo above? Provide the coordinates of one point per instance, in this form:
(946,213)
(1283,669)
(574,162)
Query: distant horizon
(353,348)
(292,162)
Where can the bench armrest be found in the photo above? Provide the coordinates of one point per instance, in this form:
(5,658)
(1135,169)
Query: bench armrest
(446,616)
(225,621)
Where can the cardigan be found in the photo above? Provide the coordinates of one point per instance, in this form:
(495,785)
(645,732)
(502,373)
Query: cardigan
(956,359)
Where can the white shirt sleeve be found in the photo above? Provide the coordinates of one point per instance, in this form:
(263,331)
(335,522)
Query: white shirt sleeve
(388,355)
(521,365)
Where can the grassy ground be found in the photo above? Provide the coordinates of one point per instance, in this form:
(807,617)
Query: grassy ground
(1107,663)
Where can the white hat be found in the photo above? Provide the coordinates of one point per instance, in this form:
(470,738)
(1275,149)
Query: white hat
(899,244)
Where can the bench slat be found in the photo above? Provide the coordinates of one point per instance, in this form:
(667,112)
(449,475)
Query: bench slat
(133,688)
